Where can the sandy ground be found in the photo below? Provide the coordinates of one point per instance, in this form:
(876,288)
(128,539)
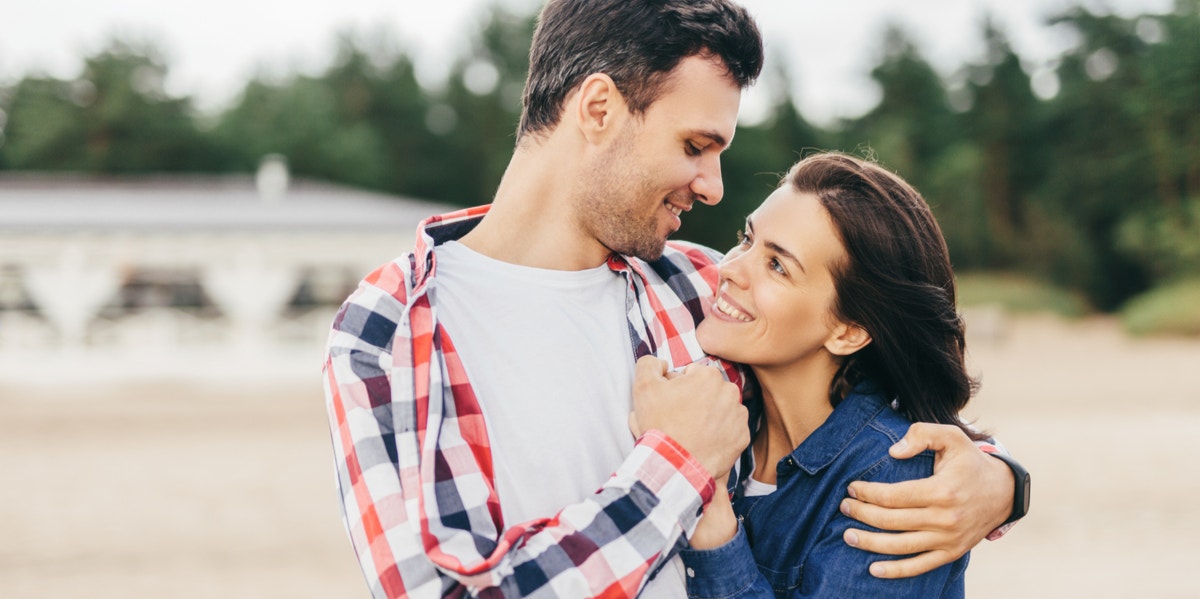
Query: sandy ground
(159,488)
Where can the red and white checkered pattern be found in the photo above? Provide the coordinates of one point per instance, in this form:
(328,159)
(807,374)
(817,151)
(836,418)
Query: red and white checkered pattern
(414,462)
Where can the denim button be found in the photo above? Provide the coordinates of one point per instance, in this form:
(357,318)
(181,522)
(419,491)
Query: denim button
(691,573)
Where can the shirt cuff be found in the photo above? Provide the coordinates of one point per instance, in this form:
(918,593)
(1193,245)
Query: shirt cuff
(681,486)
(681,461)
(721,571)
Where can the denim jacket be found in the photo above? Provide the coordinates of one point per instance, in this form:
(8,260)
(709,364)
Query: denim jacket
(789,543)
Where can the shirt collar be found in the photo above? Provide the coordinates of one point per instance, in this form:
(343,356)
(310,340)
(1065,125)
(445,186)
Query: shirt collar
(850,416)
(437,230)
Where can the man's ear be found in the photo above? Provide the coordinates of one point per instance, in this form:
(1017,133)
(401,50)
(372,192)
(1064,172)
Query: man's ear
(846,339)
(599,107)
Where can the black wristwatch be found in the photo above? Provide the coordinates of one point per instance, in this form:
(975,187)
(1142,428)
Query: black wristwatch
(1020,487)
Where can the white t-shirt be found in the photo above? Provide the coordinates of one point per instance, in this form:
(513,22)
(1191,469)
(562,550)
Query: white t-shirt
(754,488)
(550,357)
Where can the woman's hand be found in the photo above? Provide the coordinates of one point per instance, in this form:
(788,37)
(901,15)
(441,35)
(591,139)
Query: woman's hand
(943,516)
(718,524)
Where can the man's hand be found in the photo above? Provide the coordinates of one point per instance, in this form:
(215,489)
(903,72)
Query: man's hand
(697,408)
(945,515)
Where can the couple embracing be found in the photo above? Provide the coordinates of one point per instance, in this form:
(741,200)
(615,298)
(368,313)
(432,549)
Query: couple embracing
(546,398)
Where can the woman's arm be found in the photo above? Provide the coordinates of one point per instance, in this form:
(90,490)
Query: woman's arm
(726,570)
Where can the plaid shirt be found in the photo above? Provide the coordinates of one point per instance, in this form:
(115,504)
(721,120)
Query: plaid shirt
(414,461)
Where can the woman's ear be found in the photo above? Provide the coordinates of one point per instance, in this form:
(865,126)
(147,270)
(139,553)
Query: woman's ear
(598,107)
(846,339)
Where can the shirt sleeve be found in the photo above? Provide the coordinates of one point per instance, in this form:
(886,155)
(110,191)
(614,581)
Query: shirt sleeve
(728,571)
(395,502)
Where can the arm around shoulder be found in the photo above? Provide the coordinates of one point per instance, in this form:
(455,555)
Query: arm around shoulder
(968,498)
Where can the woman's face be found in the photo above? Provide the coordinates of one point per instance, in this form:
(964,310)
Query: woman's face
(773,307)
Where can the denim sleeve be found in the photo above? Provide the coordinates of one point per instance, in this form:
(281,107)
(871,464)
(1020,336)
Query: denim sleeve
(725,572)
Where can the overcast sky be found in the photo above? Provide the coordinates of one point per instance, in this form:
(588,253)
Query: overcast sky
(213,47)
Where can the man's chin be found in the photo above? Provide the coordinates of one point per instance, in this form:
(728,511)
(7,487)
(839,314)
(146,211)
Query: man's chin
(649,254)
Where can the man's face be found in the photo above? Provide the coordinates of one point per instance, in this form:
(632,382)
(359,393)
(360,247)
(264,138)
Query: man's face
(663,162)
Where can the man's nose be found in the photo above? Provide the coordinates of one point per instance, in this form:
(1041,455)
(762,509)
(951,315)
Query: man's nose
(708,186)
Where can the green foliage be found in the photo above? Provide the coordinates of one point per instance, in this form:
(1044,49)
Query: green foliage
(1166,240)
(1018,294)
(115,118)
(1089,189)
(1172,310)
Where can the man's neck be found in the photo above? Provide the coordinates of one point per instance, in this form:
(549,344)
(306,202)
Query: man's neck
(531,221)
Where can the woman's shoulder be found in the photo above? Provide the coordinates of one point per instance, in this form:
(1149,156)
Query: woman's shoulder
(882,430)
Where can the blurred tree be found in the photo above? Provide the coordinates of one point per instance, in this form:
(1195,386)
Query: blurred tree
(321,124)
(115,118)
(913,122)
(915,131)
(45,129)
(1165,239)
(483,99)
(1102,135)
(1004,123)
(1170,98)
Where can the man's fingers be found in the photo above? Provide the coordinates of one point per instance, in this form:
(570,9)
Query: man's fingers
(922,492)
(902,520)
(892,543)
(924,435)
(649,366)
(913,566)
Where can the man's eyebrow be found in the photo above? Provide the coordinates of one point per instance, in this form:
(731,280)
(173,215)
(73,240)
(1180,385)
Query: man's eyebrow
(713,136)
(775,247)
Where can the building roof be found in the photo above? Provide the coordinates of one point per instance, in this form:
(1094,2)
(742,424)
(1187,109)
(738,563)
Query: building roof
(43,202)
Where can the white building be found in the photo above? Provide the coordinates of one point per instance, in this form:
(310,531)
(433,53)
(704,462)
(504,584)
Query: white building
(149,274)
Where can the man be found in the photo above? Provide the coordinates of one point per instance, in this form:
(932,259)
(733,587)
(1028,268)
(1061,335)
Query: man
(478,388)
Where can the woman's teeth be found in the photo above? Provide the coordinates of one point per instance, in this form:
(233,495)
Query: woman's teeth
(730,311)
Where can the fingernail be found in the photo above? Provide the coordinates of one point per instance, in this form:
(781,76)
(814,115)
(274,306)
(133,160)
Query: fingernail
(900,445)
(845,507)
(852,539)
(877,569)
(851,493)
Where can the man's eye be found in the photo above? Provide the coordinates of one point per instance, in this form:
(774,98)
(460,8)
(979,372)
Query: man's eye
(691,149)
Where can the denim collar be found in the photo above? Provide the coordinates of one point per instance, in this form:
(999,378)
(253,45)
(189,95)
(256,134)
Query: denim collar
(850,416)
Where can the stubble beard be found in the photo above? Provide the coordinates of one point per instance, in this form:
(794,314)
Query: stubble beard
(615,210)
(620,222)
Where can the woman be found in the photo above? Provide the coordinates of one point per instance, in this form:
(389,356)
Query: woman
(840,298)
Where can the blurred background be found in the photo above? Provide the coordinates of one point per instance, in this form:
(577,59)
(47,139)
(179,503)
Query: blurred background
(187,193)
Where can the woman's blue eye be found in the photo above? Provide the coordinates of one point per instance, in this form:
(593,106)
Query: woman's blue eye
(777,266)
